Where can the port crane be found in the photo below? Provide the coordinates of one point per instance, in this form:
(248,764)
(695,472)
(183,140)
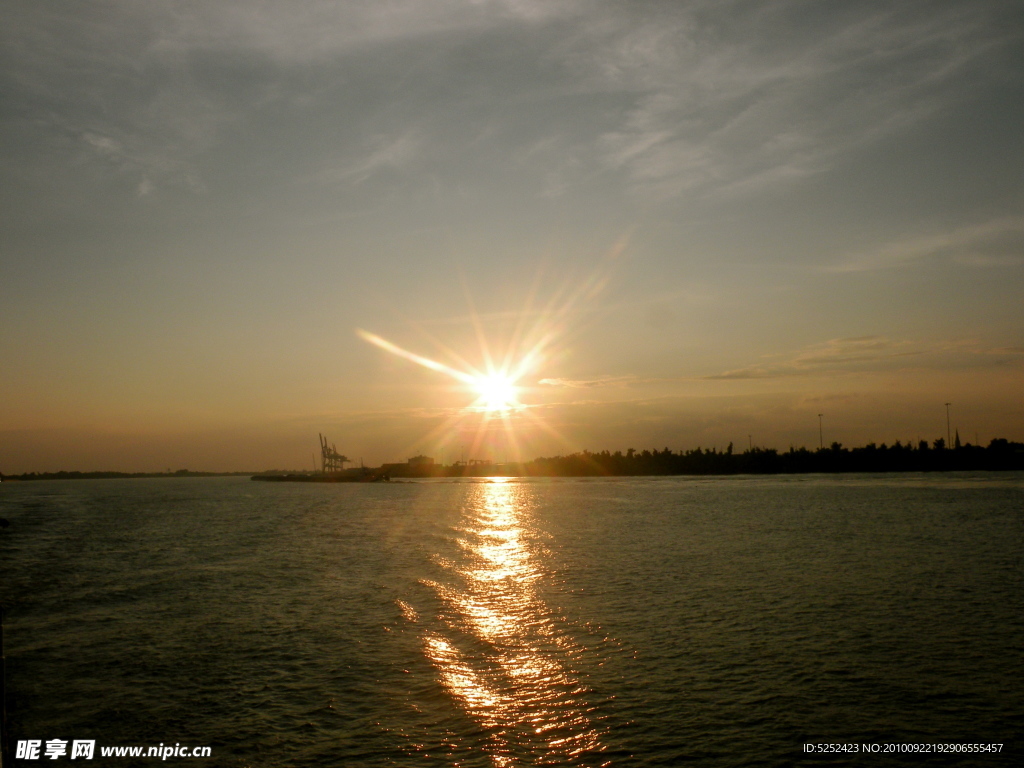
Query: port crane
(330,459)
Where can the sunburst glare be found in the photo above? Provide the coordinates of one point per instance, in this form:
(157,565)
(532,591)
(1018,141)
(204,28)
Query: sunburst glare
(497,388)
(497,391)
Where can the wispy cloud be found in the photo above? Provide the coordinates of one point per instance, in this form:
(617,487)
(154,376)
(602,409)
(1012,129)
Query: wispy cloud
(995,243)
(835,357)
(867,354)
(380,154)
(674,97)
(603,381)
(315,30)
(93,78)
(149,89)
(749,99)
(829,357)
(141,164)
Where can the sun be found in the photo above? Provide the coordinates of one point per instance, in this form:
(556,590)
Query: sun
(497,391)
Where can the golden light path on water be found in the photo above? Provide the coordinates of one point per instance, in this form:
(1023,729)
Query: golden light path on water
(516,682)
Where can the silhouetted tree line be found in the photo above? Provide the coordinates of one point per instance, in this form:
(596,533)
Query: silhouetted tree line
(75,475)
(1000,454)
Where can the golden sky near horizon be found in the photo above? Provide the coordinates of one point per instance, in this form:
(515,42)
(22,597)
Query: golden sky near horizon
(701,224)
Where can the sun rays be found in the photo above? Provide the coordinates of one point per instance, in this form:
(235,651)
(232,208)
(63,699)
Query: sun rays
(494,415)
(498,413)
(497,389)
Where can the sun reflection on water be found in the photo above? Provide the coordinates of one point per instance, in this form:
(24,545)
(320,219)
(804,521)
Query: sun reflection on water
(506,659)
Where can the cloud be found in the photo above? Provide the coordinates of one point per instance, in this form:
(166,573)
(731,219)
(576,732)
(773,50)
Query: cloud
(604,381)
(382,153)
(311,31)
(666,98)
(984,261)
(835,357)
(730,101)
(828,357)
(91,78)
(104,145)
(872,354)
(130,157)
(160,87)
(859,349)
(995,243)
(748,373)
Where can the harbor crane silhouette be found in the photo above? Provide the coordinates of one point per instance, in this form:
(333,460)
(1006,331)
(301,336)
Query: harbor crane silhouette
(330,459)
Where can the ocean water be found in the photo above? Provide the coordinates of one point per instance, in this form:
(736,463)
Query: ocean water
(625,622)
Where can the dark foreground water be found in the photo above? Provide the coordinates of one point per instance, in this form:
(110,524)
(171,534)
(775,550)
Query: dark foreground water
(631,622)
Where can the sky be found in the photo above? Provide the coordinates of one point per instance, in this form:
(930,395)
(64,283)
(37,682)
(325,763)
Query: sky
(679,223)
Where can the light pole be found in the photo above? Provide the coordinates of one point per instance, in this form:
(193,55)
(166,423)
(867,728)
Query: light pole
(821,435)
(948,436)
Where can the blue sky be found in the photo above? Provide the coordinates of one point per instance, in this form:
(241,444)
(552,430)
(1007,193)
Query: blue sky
(724,218)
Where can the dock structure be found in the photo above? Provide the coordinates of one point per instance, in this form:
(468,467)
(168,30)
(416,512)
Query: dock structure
(330,459)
